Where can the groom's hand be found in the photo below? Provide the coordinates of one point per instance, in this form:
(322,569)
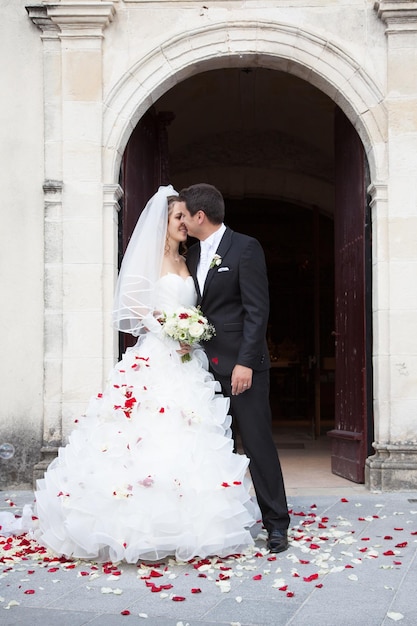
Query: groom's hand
(241,379)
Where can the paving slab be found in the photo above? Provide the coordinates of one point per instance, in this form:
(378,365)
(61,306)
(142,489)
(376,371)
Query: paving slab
(352,560)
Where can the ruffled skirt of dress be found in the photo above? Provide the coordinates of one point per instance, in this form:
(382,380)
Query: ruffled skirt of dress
(150,470)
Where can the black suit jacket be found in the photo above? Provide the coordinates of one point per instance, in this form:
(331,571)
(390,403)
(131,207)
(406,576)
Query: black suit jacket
(236,301)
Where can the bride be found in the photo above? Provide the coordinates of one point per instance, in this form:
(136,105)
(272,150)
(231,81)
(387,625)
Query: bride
(149,470)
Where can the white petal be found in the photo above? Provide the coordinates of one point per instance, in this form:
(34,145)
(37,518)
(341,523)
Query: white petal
(395,616)
(12,603)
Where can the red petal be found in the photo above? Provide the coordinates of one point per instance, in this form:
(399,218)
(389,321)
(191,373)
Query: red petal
(402,545)
(215,360)
(308,579)
(178,598)
(29,591)
(389,553)
(126,612)
(195,590)
(290,594)
(257,577)
(344,500)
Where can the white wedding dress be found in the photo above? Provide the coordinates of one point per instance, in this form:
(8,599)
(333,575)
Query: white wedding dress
(150,471)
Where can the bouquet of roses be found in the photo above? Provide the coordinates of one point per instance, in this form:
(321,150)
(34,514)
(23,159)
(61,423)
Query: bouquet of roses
(188,326)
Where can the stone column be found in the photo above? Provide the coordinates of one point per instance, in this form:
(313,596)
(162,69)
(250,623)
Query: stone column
(75,224)
(394,465)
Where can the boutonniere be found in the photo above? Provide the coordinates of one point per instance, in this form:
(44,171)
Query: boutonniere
(216,261)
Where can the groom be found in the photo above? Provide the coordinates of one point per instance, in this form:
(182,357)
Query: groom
(230,276)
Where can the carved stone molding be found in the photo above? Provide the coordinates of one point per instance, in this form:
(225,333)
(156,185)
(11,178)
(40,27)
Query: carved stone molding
(112,194)
(378,193)
(52,187)
(393,467)
(400,16)
(72,19)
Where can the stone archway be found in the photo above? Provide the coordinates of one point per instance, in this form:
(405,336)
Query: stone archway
(253,44)
(273,45)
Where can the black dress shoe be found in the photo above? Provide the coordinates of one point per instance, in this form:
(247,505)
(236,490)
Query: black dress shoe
(277,541)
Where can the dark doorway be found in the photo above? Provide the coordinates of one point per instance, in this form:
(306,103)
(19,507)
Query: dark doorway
(299,251)
(270,148)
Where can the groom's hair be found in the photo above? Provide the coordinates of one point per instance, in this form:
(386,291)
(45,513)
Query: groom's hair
(206,198)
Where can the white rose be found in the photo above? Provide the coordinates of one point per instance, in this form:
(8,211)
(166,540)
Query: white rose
(170,327)
(196,329)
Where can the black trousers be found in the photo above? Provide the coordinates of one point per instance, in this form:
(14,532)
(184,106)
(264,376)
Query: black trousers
(251,412)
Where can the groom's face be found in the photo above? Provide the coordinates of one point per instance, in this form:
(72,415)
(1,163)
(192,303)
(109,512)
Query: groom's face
(192,222)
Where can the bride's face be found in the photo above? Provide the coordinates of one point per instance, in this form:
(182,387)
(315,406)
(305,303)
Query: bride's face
(176,229)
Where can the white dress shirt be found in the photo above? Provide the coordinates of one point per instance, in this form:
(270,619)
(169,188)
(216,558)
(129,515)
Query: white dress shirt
(208,249)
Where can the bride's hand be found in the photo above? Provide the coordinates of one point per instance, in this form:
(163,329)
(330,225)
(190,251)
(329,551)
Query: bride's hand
(185,348)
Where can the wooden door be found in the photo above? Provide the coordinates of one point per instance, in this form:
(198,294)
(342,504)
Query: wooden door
(353,399)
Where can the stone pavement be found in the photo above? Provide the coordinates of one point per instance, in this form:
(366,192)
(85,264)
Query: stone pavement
(352,560)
